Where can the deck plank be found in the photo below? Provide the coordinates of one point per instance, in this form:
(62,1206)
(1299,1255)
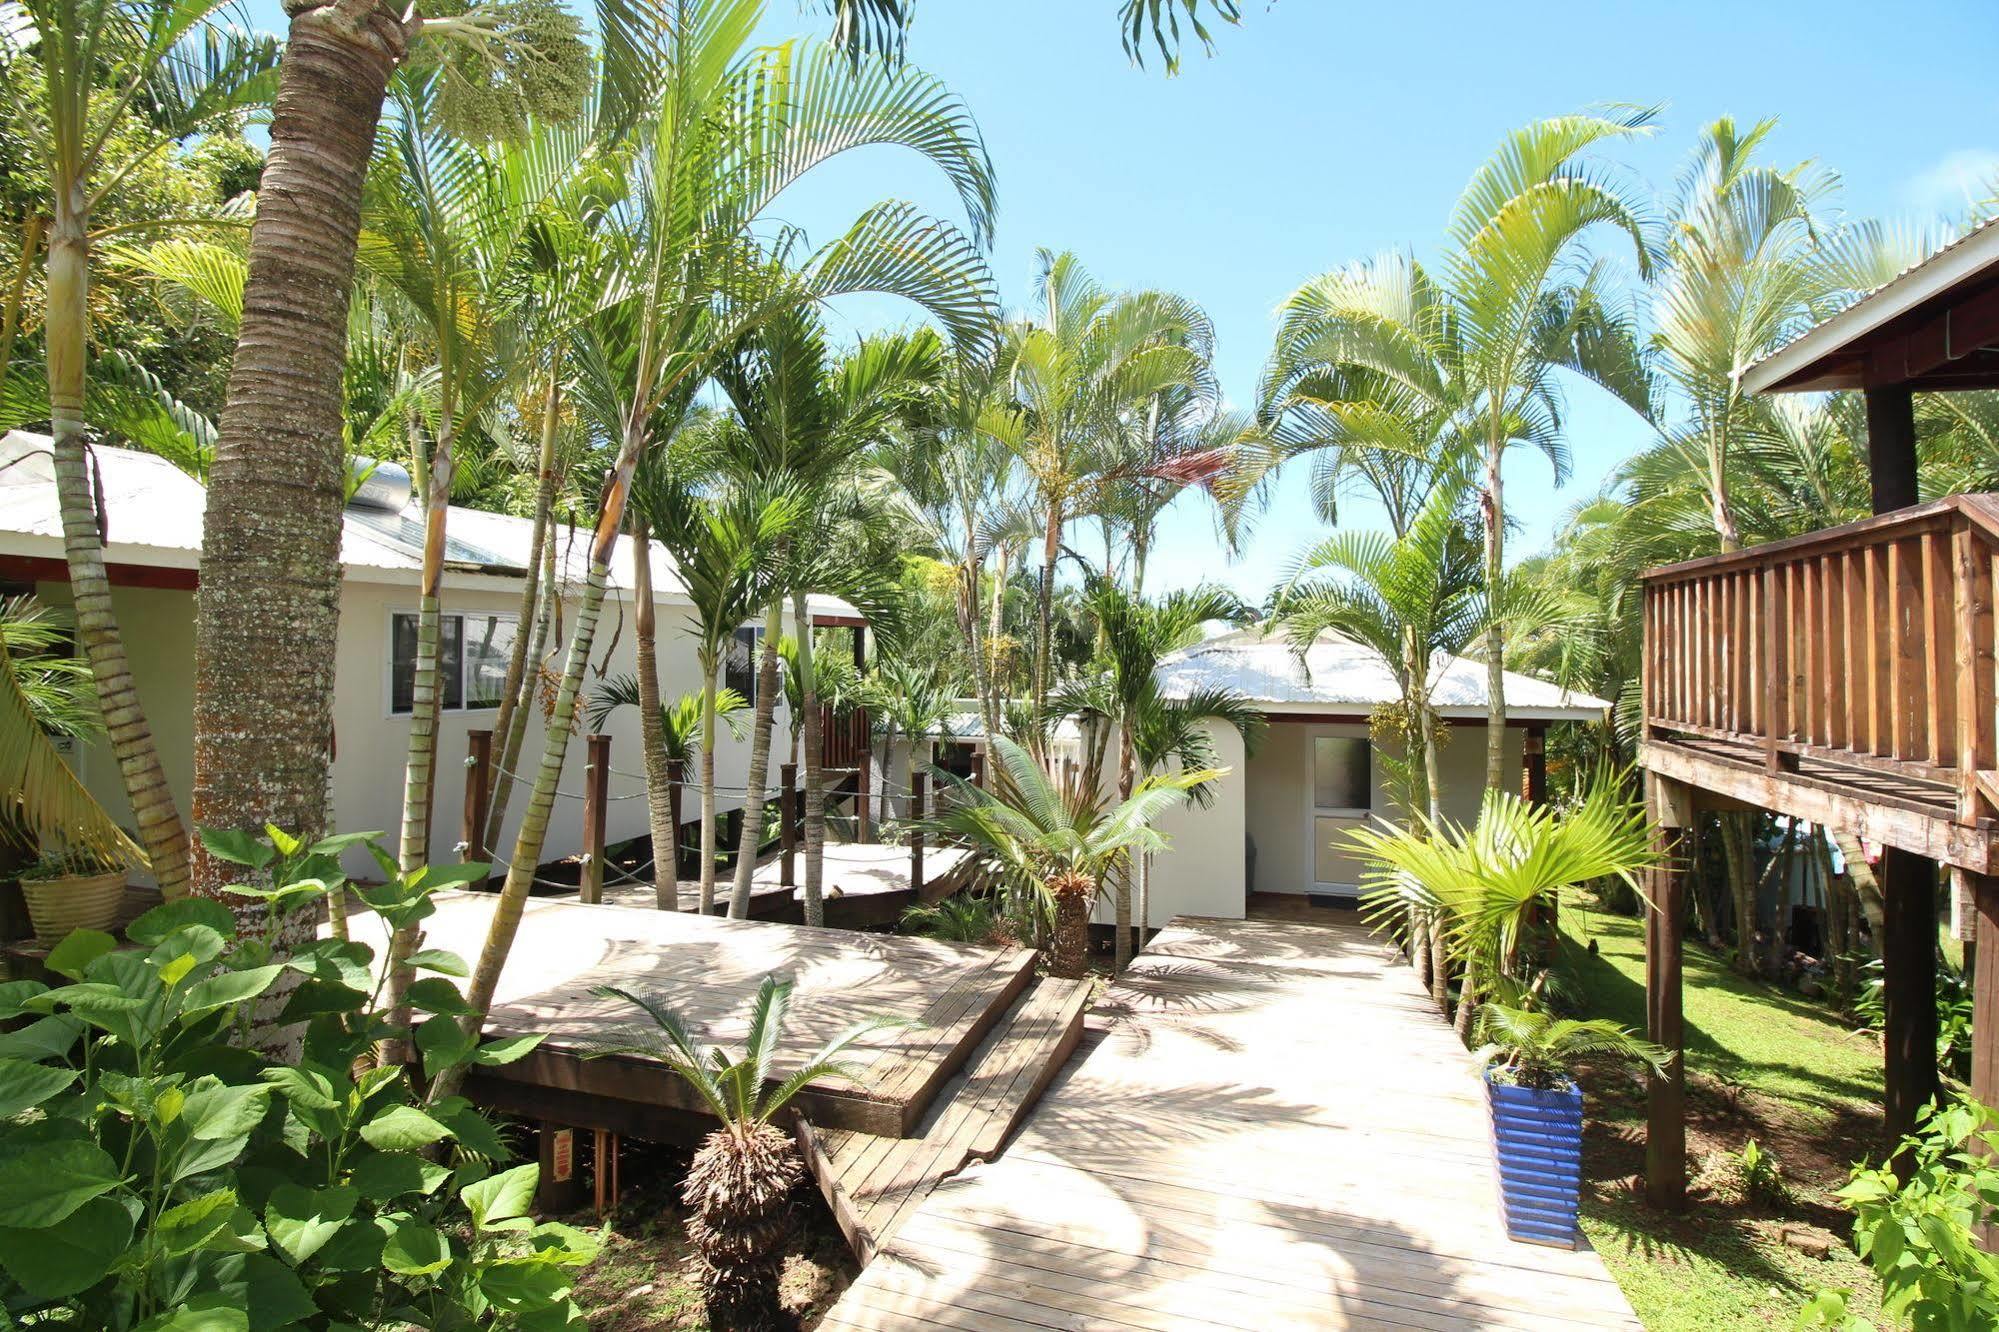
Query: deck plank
(1276,1131)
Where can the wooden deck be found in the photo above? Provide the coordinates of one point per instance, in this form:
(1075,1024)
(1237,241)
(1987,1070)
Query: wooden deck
(1278,1132)
(864,884)
(709,969)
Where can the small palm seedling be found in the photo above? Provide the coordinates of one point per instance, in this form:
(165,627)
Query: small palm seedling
(956,920)
(1762,1176)
(739,1185)
(1532,1049)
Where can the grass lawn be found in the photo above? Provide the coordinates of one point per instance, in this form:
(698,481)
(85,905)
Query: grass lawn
(1762,1063)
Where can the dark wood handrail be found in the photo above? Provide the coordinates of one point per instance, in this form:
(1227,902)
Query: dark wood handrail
(1869,644)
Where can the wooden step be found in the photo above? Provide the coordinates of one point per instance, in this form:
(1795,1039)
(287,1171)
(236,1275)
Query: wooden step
(872,1183)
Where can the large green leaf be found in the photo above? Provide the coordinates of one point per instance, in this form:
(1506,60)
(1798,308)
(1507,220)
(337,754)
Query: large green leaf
(219,1312)
(300,1220)
(402,1128)
(503,1196)
(380,1176)
(227,990)
(414,1249)
(24,1084)
(43,1181)
(74,1254)
(193,1224)
(155,925)
(215,1112)
(78,949)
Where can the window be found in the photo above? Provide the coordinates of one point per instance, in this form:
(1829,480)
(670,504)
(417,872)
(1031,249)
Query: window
(472,654)
(1342,773)
(739,667)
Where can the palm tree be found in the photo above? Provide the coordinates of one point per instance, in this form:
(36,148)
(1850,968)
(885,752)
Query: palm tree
(1475,348)
(912,697)
(1052,844)
(1135,635)
(193,71)
(674,736)
(1489,885)
(1079,370)
(739,1185)
(813,419)
(271,551)
(696,274)
(1534,1048)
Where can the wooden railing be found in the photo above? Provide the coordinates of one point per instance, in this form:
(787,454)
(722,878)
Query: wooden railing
(843,740)
(1869,644)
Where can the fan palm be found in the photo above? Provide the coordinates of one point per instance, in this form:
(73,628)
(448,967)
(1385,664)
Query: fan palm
(1475,347)
(1052,844)
(739,1185)
(1488,885)
(192,69)
(1534,1048)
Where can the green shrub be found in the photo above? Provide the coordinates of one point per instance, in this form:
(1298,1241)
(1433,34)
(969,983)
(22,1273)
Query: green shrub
(158,1174)
(1919,1233)
(1762,1178)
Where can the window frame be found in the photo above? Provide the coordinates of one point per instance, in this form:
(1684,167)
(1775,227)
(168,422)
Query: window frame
(462,709)
(756,633)
(1362,811)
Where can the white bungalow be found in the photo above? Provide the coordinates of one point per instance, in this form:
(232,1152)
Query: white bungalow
(153,516)
(1277,820)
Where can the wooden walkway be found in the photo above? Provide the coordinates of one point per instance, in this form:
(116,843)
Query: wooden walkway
(864,884)
(872,1183)
(1277,1132)
(708,969)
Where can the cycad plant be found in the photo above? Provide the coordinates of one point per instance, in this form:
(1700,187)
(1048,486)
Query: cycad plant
(1530,1047)
(1052,843)
(1488,886)
(739,1186)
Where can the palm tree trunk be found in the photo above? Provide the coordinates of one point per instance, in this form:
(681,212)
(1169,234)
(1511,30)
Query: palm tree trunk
(1121,888)
(270,566)
(750,836)
(652,735)
(813,742)
(513,696)
(528,844)
(420,757)
(516,730)
(1069,957)
(161,831)
(708,784)
(1044,611)
(1495,642)
(1144,897)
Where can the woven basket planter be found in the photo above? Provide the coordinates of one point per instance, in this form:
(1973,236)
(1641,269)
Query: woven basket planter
(56,907)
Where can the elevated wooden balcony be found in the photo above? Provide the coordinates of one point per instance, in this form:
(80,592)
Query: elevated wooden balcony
(1844,677)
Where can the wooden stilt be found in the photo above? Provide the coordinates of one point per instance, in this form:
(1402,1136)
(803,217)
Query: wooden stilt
(916,834)
(1666,1093)
(1909,983)
(1534,757)
(787,827)
(596,792)
(560,1189)
(666,860)
(478,794)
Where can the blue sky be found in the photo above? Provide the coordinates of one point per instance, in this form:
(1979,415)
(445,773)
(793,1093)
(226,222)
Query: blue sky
(1324,131)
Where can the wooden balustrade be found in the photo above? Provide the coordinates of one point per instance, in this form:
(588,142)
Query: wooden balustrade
(843,740)
(1869,645)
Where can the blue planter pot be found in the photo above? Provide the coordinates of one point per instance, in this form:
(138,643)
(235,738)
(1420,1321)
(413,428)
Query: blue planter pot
(1537,1140)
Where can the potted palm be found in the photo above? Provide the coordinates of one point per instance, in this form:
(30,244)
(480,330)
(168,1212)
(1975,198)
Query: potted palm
(77,879)
(1528,1061)
(739,1185)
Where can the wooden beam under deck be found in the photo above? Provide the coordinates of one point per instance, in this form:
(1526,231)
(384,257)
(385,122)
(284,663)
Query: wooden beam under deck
(1849,800)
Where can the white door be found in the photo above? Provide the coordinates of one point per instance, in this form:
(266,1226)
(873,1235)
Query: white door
(1341,800)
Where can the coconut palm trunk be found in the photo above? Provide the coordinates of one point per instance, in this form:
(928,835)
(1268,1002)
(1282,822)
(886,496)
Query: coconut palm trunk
(270,570)
(750,836)
(652,735)
(161,831)
(547,620)
(426,695)
(812,739)
(1121,944)
(1069,958)
(511,722)
(1044,612)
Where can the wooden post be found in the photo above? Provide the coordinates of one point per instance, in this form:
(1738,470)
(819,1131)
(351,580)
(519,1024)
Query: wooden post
(1665,914)
(787,832)
(1909,985)
(1984,943)
(559,1189)
(916,783)
(1534,754)
(979,768)
(606,1171)
(478,794)
(596,789)
(863,827)
(667,860)
(1891,446)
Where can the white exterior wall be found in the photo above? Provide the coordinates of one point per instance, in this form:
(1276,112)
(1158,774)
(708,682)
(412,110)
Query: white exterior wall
(1200,873)
(372,744)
